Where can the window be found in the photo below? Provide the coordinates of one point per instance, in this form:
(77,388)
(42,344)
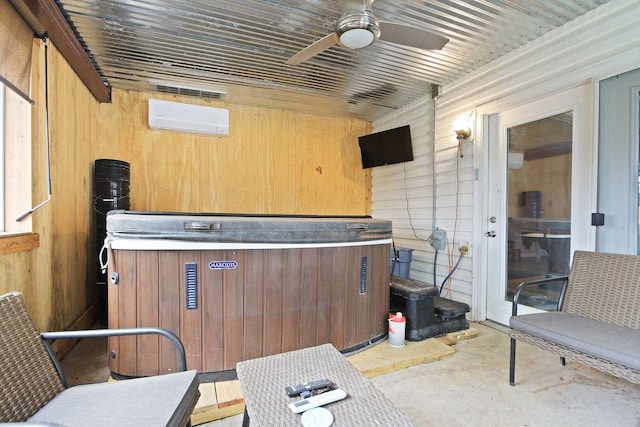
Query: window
(16,45)
(15,167)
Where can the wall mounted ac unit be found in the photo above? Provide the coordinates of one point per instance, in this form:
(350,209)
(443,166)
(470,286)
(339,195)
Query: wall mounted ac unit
(181,117)
(515,160)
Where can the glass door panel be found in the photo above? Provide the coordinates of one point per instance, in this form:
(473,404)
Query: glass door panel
(538,240)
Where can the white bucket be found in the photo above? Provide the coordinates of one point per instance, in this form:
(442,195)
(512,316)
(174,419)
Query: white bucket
(397,325)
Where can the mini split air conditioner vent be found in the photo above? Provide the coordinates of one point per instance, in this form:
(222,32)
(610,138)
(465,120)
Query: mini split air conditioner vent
(180,117)
(189,92)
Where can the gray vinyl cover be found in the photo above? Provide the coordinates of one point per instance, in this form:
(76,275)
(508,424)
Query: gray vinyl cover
(245,228)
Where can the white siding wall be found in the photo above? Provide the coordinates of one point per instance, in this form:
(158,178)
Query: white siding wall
(403,192)
(599,44)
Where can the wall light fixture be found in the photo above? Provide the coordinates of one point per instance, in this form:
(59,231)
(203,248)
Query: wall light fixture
(462,133)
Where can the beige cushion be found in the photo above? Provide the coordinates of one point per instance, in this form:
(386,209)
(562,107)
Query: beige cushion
(163,400)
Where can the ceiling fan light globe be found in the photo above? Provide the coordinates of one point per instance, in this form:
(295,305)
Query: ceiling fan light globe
(357,38)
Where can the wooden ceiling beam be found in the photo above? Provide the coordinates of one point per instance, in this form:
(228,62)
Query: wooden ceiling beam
(49,18)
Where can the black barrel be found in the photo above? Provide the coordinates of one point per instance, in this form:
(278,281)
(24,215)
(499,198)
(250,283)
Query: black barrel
(531,203)
(111,190)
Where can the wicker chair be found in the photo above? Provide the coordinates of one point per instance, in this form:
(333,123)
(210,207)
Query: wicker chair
(598,317)
(34,388)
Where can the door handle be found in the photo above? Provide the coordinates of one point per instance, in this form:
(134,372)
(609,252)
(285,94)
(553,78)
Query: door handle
(490,233)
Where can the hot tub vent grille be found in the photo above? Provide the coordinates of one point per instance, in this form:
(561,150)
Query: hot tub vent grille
(191,272)
(363,275)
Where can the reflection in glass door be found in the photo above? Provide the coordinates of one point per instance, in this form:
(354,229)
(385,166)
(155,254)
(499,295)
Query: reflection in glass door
(538,240)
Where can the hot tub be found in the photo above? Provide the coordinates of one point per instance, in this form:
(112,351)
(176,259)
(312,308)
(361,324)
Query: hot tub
(239,287)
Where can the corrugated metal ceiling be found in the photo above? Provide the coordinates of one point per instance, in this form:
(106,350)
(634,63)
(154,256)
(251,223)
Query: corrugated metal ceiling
(238,48)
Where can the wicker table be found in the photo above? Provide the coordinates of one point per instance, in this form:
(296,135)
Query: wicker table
(263,381)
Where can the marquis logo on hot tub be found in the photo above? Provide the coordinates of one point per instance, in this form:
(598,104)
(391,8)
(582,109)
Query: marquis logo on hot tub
(223,265)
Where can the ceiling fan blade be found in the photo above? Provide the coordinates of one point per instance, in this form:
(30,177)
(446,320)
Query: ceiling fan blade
(411,36)
(313,49)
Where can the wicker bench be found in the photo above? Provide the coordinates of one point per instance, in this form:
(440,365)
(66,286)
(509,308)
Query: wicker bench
(598,317)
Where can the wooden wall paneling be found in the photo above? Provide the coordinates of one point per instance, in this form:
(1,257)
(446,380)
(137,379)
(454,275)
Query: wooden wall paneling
(292,300)
(228,286)
(357,181)
(211,299)
(71,128)
(12,279)
(317,169)
(70,184)
(324,297)
(209,177)
(253,264)
(338,293)
(191,319)
(148,300)
(309,285)
(238,167)
(176,175)
(168,306)
(273,297)
(259,168)
(277,153)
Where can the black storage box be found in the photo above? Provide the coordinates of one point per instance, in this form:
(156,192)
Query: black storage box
(415,300)
(428,315)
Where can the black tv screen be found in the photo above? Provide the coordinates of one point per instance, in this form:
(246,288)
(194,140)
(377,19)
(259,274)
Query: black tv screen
(386,147)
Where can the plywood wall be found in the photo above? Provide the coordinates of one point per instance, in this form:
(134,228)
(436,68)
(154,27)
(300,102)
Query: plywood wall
(273,161)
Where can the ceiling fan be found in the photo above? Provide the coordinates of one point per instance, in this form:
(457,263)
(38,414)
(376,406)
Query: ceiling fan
(358,28)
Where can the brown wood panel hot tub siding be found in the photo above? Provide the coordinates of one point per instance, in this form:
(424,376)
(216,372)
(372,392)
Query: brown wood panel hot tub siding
(276,300)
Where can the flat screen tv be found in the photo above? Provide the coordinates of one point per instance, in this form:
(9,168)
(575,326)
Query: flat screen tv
(386,147)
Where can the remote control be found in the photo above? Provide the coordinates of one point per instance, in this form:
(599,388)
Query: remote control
(311,385)
(317,400)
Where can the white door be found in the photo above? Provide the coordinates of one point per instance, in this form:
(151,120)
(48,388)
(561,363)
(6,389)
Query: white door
(540,191)
(618,160)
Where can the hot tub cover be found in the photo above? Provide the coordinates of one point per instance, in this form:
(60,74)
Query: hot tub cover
(245,228)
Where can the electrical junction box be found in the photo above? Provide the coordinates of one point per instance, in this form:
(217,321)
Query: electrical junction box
(438,240)
(191,118)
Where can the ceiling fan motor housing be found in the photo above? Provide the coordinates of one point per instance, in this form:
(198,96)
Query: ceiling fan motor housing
(357,30)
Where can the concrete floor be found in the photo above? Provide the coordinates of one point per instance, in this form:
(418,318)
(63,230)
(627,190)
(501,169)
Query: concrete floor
(470,388)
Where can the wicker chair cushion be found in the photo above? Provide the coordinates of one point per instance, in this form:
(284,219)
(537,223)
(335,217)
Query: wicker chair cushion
(611,342)
(137,402)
